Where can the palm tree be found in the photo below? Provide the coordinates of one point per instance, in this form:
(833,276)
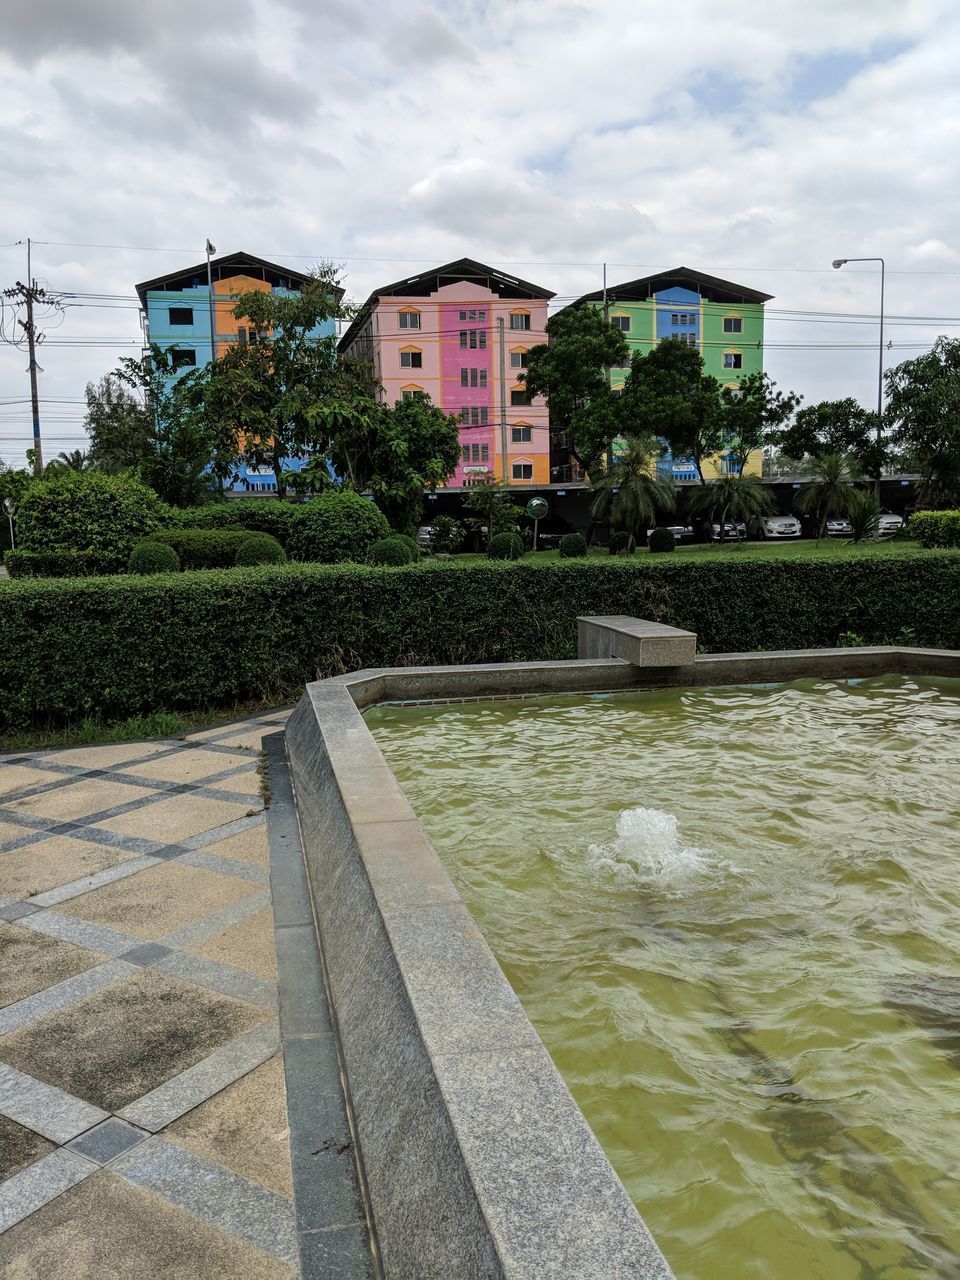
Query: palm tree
(730,499)
(829,490)
(629,493)
(75,460)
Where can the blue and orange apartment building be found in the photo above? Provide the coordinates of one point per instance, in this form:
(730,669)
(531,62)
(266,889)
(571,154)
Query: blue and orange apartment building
(177,311)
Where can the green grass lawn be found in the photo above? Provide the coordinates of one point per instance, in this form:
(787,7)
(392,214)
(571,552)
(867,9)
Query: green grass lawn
(801,549)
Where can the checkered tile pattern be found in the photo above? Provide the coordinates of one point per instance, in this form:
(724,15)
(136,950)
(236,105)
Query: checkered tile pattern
(137,984)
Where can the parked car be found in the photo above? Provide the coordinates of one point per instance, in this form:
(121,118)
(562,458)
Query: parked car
(425,536)
(734,532)
(839,527)
(681,532)
(774,527)
(890,523)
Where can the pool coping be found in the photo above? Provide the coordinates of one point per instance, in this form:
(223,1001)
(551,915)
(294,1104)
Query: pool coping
(477,1160)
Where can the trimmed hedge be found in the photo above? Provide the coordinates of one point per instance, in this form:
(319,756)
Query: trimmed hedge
(936,528)
(335,527)
(266,515)
(505,546)
(203,548)
(58,564)
(87,511)
(662,540)
(572,545)
(621,543)
(127,645)
(259,548)
(394,551)
(153,557)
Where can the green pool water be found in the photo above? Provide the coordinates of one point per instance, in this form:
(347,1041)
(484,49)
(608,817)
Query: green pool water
(733,916)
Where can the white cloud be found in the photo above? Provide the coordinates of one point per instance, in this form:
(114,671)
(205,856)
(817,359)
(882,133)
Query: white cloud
(758,142)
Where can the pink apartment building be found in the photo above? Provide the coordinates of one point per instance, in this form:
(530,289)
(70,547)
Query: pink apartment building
(460,334)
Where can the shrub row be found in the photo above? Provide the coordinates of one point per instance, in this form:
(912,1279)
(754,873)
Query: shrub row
(936,528)
(257,515)
(220,548)
(58,564)
(125,645)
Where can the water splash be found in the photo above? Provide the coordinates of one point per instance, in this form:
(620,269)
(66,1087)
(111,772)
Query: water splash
(648,843)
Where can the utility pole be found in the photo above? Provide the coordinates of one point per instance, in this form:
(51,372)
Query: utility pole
(503,400)
(212,248)
(29,294)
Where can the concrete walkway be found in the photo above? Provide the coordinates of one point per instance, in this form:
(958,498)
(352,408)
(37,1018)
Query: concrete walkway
(162,1114)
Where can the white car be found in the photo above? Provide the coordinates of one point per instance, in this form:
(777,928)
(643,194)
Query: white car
(681,532)
(731,532)
(839,527)
(775,527)
(890,524)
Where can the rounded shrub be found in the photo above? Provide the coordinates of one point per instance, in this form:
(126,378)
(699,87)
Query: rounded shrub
(415,551)
(90,512)
(572,544)
(203,548)
(259,548)
(257,515)
(335,527)
(393,550)
(662,540)
(505,546)
(622,543)
(153,557)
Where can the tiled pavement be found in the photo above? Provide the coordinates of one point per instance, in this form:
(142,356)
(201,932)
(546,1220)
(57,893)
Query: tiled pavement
(155,1121)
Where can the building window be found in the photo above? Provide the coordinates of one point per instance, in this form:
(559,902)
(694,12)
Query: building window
(732,324)
(519,320)
(520,434)
(675,318)
(411,359)
(183,358)
(242,334)
(408,319)
(478,415)
(473,339)
(522,471)
(518,359)
(412,393)
(475,452)
(621,322)
(519,395)
(480,315)
(689,338)
(732,360)
(181,315)
(465,415)
(466,453)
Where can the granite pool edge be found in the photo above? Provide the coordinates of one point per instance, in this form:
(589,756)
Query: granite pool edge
(478,1161)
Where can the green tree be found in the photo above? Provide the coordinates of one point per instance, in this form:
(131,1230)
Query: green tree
(923,406)
(752,414)
(628,493)
(730,499)
(572,371)
(490,510)
(833,426)
(269,395)
(75,460)
(118,422)
(668,395)
(829,490)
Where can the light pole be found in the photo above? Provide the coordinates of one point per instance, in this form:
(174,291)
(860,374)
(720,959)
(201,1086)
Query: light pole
(10,507)
(211,248)
(837,264)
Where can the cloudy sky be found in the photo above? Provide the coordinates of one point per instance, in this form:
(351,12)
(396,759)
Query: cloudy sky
(757,141)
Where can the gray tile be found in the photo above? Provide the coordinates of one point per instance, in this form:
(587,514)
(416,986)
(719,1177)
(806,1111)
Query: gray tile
(225,866)
(225,978)
(241,1209)
(220,920)
(107,1140)
(228,829)
(147,954)
(42,1182)
(303,1001)
(28,837)
(288,873)
(64,993)
(342,1251)
(172,1099)
(64,892)
(17,910)
(95,937)
(57,1115)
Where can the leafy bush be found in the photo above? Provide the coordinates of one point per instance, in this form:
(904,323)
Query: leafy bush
(415,553)
(87,511)
(336,527)
(265,515)
(203,548)
(863,512)
(505,546)
(662,540)
(572,544)
(936,528)
(153,557)
(447,535)
(123,646)
(57,564)
(259,548)
(394,550)
(621,543)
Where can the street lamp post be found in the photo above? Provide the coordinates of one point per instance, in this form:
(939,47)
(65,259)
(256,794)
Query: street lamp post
(837,264)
